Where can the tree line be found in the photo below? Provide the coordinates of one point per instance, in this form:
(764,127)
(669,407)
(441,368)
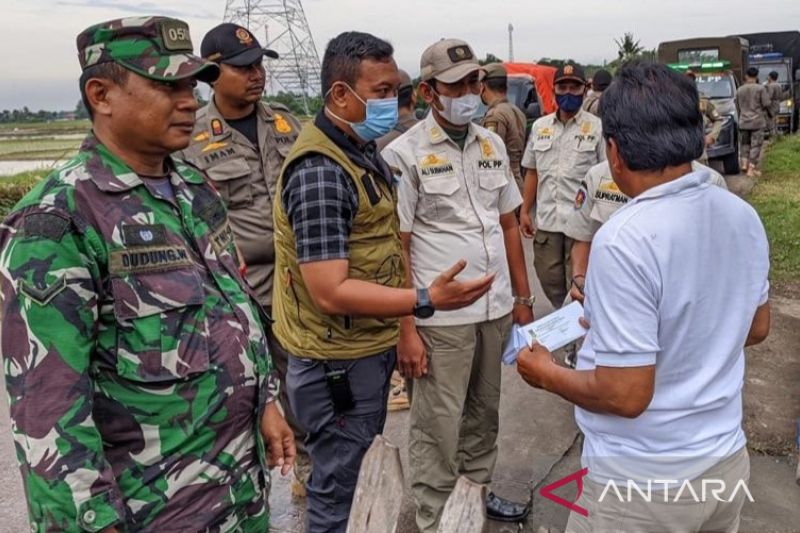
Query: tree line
(628,49)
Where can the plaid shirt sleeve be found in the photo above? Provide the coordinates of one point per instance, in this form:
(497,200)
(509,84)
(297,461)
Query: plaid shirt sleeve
(320,202)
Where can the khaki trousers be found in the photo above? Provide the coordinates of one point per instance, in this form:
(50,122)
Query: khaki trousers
(454,414)
(686,515)
(551,260)
(752,143)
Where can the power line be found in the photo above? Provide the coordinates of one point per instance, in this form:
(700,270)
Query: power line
(284,28)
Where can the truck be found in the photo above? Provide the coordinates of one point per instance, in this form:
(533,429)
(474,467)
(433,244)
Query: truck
(719,64)
(779,52)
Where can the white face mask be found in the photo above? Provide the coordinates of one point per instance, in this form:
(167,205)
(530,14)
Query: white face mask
(459,111)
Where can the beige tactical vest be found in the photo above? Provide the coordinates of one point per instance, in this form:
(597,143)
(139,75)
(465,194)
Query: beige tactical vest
(375,257)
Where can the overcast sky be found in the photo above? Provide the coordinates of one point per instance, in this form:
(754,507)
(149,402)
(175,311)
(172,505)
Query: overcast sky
(40,66)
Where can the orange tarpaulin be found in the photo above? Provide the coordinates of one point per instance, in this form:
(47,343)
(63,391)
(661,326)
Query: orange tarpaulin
(543,78)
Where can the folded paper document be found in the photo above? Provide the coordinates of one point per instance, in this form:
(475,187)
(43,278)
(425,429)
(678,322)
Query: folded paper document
(554,331)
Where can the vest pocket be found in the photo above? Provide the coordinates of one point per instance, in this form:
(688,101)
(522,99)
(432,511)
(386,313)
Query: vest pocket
(161,328)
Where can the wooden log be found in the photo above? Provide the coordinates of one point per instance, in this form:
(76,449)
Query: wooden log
(379,491)
(465,510)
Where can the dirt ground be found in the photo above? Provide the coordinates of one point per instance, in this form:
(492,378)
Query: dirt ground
(772,384)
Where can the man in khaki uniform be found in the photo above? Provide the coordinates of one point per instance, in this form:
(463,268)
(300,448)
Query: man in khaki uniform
(562,147)
(457,198)
(712,120)
(776,94)
(597,199)
(241,142)
(753,102)
(406,105)
(504,118)
(600,81)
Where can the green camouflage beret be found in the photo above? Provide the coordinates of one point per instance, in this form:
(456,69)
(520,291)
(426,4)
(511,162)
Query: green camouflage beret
(158,48)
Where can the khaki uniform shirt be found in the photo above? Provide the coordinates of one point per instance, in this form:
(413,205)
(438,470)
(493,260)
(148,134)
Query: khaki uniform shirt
(753,102)
(404,123)
(712,120)
(562,154)
(775,91)
(451,201)
(599,197)
(592,103)
(245,176)
(508,121)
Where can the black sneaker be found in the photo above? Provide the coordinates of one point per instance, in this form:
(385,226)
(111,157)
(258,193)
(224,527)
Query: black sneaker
(503,510)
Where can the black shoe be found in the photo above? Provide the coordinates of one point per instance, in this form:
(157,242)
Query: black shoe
(503,510)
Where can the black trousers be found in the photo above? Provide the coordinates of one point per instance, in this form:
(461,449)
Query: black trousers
(337,442)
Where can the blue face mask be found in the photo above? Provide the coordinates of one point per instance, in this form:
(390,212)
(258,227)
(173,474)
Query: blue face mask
(380,119)
(569,103)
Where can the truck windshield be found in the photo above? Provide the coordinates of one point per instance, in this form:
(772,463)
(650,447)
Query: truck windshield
(764,70)
(715,85)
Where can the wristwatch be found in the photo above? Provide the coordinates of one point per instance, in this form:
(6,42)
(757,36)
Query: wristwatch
(526,301)
(423,308)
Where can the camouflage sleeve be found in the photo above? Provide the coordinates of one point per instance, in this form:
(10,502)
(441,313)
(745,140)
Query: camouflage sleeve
(49,305)
(273,386)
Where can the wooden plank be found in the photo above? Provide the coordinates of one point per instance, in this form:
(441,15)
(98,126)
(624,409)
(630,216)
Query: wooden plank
(465,510)
(379,491)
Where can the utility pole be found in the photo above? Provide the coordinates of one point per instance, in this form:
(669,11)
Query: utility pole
(284,24)
(510,43)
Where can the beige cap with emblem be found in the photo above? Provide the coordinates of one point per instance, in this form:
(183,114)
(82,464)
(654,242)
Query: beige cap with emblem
(448,61)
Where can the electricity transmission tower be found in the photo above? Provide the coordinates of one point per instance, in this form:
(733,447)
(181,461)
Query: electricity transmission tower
(283,26)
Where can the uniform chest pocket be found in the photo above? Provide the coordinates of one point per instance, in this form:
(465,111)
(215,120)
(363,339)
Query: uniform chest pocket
(492,180)
(162,334)
(587,144)
(444,186)
(585,154)
(491,185)
(232,180)
(542,145)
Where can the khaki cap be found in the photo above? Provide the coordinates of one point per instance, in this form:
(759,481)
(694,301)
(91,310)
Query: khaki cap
(448,61)
(494,71)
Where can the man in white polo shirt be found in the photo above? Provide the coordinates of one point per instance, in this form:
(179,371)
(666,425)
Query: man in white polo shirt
(456,199)
(598,198)
(677,287)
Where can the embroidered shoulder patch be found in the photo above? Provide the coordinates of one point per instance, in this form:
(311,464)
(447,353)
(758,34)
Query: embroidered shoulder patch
(47,225)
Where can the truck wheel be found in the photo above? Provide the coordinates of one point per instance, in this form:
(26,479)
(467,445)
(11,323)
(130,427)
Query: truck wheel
(730,163)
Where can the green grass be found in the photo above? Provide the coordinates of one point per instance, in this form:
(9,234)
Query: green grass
(43,128)
(13,188)
(37,148)
(776,197)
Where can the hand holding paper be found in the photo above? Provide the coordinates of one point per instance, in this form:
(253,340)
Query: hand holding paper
(554,331)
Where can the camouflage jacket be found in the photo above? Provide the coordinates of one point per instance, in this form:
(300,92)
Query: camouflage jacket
(135,359)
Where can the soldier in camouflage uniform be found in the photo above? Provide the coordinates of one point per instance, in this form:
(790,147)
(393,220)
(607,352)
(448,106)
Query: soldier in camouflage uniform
(139,382)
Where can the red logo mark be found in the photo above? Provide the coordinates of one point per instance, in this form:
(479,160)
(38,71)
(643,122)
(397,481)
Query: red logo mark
(577,477)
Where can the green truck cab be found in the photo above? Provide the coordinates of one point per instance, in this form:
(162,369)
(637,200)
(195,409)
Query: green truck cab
(719,63)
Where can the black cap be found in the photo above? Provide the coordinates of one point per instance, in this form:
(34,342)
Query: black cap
(570,73)
(233,45)
(601,80)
